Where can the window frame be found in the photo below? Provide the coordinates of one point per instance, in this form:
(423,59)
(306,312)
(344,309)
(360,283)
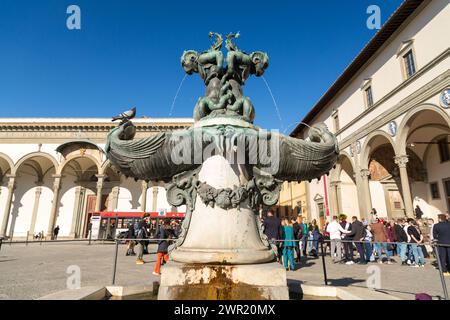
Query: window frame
(369,96)
(440,150)
(409,62)
(403,51)
(435,183)
(336,124)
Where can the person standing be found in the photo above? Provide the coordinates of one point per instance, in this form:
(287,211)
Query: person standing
(162,234)
(418,212)
(288,245)
(441,236)
(402,241)
(272,229)
(303,234)
(297,234)
(415,239)
(357,234)
(55,233)
(335,230)
(314,236)
(368,249)
(141,236)
(380,238)
(347,238)
(130,236)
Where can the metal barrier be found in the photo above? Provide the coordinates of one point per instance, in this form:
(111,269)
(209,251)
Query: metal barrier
(434,245)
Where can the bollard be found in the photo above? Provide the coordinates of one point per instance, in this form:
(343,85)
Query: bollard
(115,263)
(323,264)
(1,241)
(90,235)
(26,241)
(444,286)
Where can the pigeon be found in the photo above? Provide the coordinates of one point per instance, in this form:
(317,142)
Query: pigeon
(125,116)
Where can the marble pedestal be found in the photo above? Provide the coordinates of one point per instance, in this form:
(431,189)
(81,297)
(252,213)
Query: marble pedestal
(223,255)
(180,281)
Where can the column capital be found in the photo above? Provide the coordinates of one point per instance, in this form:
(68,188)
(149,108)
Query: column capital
(11,181)
(57,181)
(365,173)
(335,183)
(101,179)
(401,161)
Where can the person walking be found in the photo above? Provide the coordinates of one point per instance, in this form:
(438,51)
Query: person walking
(141,236)
(288,244)
(415,239)
(336,231)
(162,234)
(272,229)
(441,236)
(55,233)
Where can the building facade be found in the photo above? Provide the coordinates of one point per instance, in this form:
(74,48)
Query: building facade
(53,172)
(390,112)
(293,201)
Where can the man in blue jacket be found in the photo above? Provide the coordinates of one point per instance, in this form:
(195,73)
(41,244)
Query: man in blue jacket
(441,234)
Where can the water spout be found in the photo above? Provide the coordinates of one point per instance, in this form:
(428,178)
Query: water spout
(176,95)
(274,102)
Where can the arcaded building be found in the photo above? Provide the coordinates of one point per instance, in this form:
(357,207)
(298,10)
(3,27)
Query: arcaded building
(390,112)
(54,172)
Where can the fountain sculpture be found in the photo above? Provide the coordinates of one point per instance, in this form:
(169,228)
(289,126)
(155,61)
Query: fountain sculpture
(223,169)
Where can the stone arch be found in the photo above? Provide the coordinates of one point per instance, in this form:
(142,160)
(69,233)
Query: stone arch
(367,149)
(405,125)
(337,171)
(86,156)
(33,192)
(35,155)
(6,164)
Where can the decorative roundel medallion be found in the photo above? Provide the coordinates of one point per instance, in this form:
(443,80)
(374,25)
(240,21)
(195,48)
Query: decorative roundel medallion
(444,99)
(392,128)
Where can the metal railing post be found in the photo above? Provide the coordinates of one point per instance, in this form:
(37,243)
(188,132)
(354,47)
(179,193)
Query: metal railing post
(115,262)
(325,278)
(444,285)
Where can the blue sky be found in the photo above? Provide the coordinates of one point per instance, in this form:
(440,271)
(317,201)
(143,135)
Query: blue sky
(127,53)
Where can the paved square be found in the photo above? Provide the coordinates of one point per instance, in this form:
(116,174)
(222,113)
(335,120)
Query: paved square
(30,272)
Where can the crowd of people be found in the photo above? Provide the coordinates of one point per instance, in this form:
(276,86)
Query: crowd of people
(140,235)
(361,241)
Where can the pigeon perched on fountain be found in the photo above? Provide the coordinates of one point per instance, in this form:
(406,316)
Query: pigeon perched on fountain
(125,116)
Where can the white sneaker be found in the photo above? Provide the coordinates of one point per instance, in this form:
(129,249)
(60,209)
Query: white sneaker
(349,262)
(156,274)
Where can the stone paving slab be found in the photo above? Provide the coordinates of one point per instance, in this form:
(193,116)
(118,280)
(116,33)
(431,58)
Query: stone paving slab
(33,271)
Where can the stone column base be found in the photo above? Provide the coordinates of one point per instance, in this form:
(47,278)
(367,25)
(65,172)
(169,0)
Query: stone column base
(181,281)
